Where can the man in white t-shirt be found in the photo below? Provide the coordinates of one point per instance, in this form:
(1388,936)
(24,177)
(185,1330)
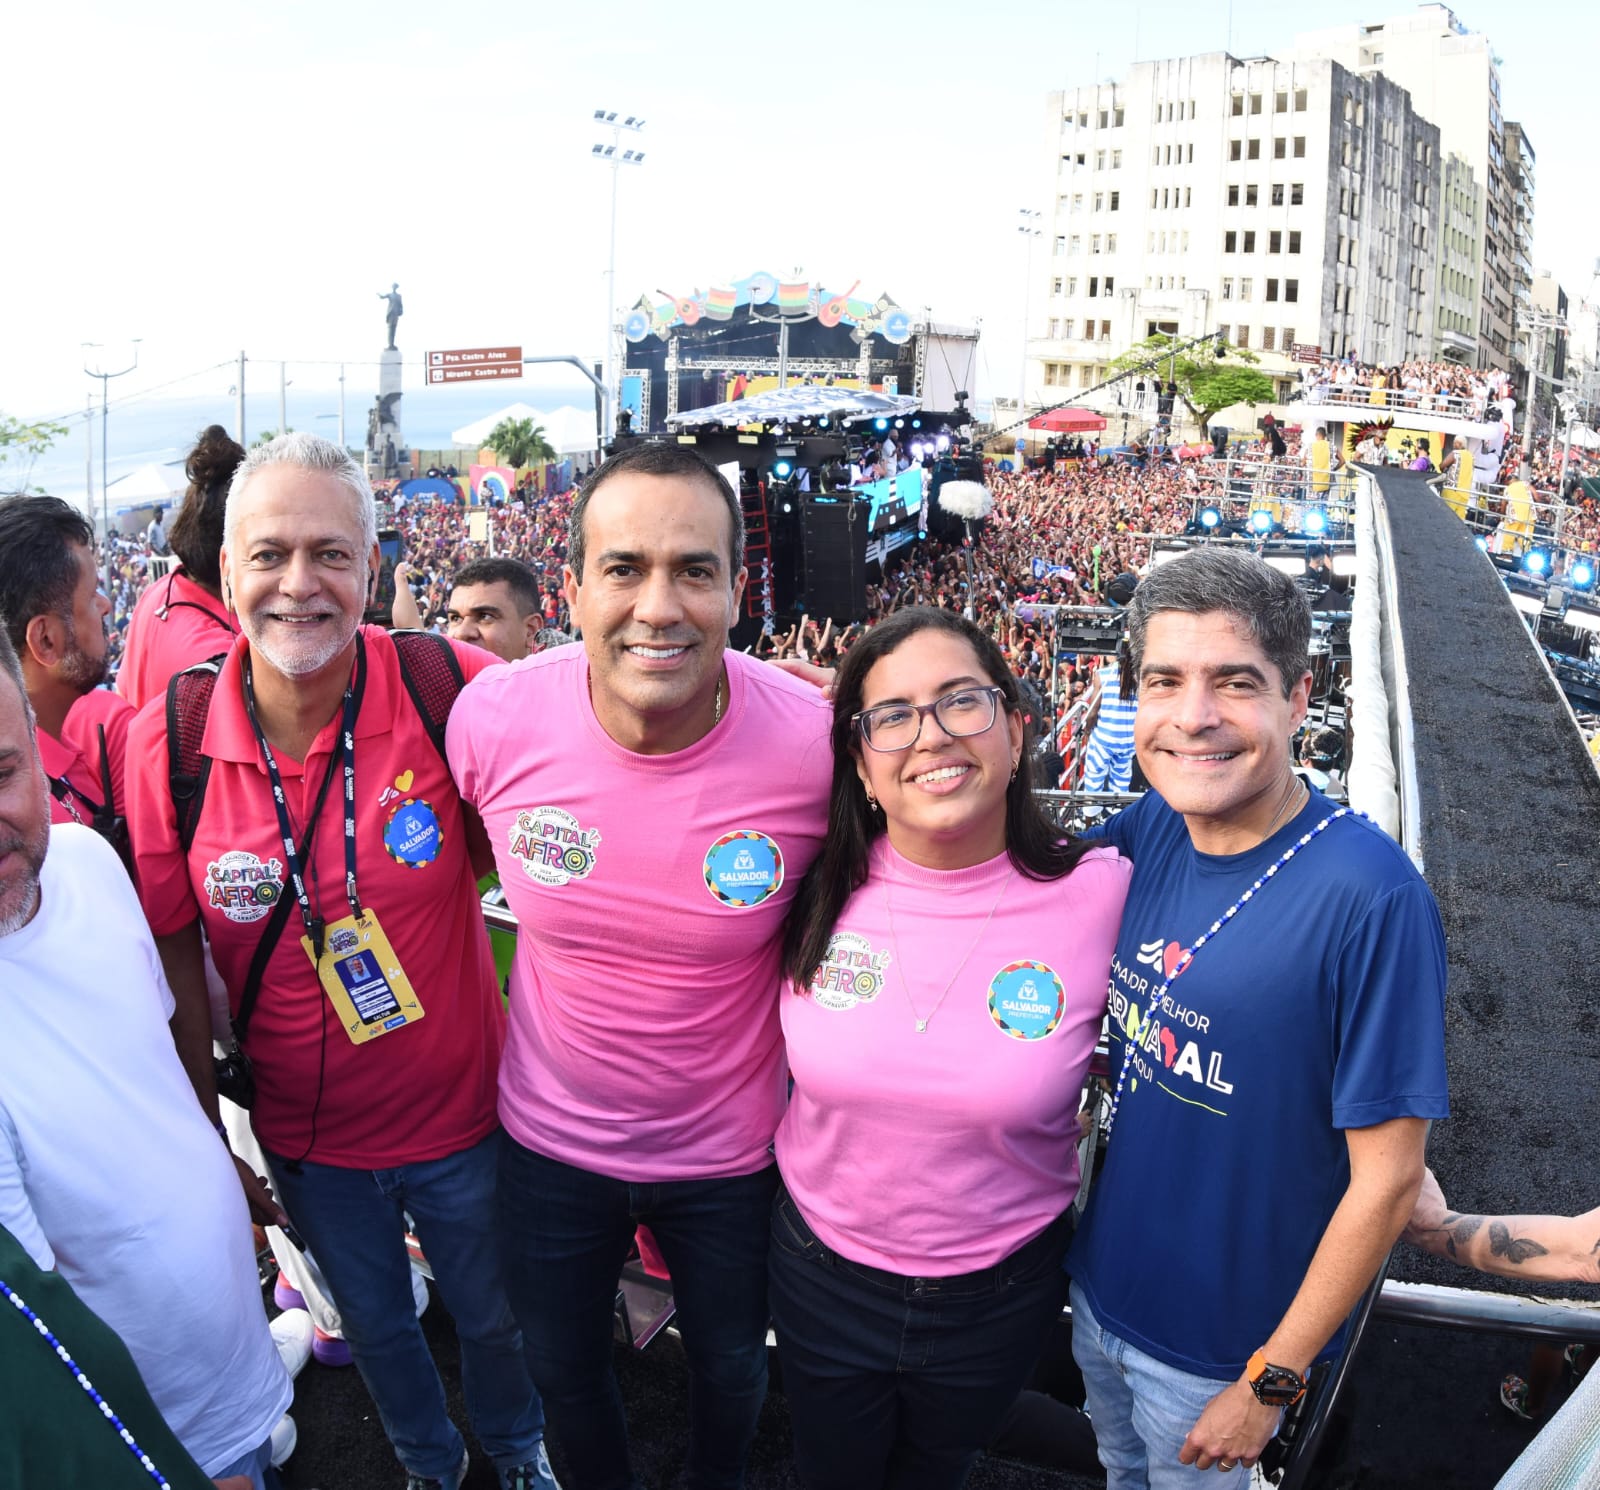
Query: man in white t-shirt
(109,1171)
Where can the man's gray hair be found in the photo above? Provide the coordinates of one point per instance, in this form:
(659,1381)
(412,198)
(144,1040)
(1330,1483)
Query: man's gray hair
(1266,603)
(11,666)
(307,453)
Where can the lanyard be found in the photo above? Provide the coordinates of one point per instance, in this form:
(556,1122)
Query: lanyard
(342,756)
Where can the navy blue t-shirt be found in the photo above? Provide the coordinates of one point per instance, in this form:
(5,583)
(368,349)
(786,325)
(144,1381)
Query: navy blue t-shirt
(1319,1007)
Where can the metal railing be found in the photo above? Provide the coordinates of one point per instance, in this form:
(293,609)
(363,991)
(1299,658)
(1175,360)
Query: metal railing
(1378,402)
(1287,491)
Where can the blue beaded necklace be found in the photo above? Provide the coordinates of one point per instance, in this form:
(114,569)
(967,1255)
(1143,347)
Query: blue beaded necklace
(88,1386)
(1205,936)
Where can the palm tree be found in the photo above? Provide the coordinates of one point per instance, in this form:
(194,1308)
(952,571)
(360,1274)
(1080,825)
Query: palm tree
(519,443)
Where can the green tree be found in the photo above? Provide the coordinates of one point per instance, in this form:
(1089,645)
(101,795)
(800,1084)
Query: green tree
(519,442)
(268,435)
(21,444)
(1206,383)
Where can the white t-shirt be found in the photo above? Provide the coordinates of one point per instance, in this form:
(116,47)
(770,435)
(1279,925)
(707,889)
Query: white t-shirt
(109,1170)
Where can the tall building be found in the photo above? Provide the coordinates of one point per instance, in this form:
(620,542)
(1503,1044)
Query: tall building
(1275,202)
(1460,244)
(1454,81)
(1519,188)
(1547,337)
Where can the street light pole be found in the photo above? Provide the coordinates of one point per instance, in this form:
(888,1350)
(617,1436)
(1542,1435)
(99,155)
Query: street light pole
(616,157)
(105,411)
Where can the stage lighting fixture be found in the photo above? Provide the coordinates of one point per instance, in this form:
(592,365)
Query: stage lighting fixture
(1582,574)
(880,424)
(1260,522)
(1536,561)
(1315,523)
(1209,518)
(782,469)
(916,424)
(1482,541)
(942,442)
(899,424)
(822,424)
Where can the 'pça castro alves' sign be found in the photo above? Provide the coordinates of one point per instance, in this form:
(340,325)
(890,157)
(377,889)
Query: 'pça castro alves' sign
(474,364)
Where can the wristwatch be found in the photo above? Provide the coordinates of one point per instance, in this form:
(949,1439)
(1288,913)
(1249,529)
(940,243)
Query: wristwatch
(1274,1386)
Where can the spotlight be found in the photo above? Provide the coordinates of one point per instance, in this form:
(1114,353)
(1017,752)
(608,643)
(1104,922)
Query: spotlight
(916,424)
(942,442)
(899,424)
(822,424)
(782,470)
(880,424)
(1209,518)
(1260,522)
(1582,574)
(1315,523)
(787,507)
(1482,541)
(1536,561)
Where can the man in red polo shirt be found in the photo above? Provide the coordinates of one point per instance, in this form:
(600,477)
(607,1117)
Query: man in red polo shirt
(329,821)
(55,616)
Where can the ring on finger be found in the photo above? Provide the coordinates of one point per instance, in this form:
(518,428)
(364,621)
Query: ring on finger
(1225,1465)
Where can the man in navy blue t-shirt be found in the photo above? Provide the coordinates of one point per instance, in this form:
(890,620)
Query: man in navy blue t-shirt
(1268,1137)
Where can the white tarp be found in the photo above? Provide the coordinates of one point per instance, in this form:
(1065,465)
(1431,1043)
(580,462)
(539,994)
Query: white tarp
(569,429)
(149,485)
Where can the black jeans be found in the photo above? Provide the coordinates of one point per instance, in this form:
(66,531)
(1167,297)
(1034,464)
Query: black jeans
(564,1233)
(897,1383)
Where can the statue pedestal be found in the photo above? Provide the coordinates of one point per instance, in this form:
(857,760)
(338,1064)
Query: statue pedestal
(384,429)
(389,394)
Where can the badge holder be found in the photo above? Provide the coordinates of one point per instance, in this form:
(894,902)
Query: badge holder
(363,978)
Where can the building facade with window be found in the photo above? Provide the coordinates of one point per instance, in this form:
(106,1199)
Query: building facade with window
(1276,202)
(1454,81)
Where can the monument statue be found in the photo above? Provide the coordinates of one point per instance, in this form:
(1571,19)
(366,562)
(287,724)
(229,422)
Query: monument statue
(373,422)
(395,311)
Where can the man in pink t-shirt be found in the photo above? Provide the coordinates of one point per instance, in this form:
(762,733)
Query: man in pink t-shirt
(653,801)
(55,614)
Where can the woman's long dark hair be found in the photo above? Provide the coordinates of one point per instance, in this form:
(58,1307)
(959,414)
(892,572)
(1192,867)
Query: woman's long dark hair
(1036,846)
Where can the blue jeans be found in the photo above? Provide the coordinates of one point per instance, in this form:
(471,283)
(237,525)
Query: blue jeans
(897,1383)
(256,1466)
(353,1220)
(1142,1409)
(565,1233)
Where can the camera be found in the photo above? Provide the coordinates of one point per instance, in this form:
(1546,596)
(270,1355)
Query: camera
(235,1079)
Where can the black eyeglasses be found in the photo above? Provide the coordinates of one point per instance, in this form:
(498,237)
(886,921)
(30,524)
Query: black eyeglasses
(967,711)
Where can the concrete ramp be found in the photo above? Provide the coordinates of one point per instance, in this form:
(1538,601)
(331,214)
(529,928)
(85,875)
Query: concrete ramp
(1510,810)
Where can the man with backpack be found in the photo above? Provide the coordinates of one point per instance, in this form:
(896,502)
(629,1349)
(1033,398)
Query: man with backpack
(295,803)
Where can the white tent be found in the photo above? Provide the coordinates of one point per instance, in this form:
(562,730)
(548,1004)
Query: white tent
(570,430)
(151,485)
(472,436)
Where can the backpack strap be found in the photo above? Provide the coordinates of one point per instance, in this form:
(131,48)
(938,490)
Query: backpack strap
(433,678)
(188,768)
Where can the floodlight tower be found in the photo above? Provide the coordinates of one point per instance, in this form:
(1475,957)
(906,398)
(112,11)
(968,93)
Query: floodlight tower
(616,157)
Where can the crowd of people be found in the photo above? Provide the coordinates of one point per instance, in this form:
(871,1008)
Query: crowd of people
(1416,386)
(849,1106)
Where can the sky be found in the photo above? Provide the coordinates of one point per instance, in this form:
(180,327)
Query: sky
(215,177)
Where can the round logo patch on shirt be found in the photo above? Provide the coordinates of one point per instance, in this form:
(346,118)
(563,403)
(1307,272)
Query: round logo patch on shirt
(413,835)
(1026,1000)
(851,972)
(242,887)
(744,868)
(553,846)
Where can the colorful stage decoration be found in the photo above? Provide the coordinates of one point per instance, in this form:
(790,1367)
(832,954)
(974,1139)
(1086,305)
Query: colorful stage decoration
(793,300)
(830,405)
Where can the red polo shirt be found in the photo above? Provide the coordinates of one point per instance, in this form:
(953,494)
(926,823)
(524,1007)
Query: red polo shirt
(174,625)
(420,1092)
(74,756)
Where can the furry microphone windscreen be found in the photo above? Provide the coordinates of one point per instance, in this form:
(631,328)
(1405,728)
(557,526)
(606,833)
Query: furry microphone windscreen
(968,500)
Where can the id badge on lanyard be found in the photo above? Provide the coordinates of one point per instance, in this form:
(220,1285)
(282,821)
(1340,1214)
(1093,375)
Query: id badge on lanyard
(363,978)
(352,958)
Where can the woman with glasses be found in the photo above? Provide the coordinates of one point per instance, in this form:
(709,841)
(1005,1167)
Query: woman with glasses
(947,963)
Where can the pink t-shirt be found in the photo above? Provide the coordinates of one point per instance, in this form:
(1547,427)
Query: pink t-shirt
(936,1153)
(174,625)
(650,890)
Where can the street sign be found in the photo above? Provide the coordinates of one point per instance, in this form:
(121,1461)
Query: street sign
(474,364)
(1307,352)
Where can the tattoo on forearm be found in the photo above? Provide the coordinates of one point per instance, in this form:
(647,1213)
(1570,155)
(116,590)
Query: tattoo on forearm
(1459,1229)
(1514,1249)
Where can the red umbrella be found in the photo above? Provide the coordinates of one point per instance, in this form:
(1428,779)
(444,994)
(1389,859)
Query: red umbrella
(1069,420)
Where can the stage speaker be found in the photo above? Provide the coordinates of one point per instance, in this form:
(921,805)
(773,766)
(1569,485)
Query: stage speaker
(834,542)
